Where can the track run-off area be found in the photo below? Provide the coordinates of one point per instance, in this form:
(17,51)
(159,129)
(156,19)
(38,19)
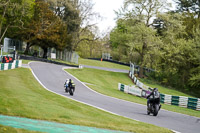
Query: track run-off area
(52,78)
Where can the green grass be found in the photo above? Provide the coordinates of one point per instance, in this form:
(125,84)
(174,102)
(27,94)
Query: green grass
(162,89)
(21,95)
(7,129)
(26,61)
(61,61)
(107,83)
(102,64)
(3,53)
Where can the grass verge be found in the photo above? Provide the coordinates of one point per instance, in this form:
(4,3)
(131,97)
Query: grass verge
(26,61)
(102,64)
(21,95)
(107,83)
(162,89)
(7,129)
(61,61)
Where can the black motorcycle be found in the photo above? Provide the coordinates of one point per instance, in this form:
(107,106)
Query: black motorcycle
(154,107)
(70,89)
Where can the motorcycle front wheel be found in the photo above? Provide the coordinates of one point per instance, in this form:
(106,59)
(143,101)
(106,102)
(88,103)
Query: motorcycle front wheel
(71,92)
(156,108)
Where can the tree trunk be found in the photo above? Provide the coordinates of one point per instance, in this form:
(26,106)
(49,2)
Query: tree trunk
(27,48)
(45,53)
(144,47)
(141,72)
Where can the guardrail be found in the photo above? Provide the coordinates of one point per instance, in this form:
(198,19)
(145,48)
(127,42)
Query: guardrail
(187,102)
(7,66)
(134,90)
(26,57)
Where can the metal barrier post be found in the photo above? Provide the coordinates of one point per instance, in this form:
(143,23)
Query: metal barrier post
(1,52)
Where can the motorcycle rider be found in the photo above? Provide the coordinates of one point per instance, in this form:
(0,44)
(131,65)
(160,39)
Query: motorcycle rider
(66,85)
(154,95)
(71,84)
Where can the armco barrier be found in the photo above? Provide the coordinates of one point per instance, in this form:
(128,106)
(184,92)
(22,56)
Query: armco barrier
(45,60)
(130,89)
(191,103)
(183,101)
(175,100)
(198,105)
(7,66)
(186,102)
(135,91)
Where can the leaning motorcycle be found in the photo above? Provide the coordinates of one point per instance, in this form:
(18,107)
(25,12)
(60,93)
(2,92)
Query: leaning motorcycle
(70,89)
(154,107)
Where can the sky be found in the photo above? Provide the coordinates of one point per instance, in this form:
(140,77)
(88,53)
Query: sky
(106,9)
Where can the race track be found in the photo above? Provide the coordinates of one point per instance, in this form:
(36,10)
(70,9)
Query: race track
(53,77)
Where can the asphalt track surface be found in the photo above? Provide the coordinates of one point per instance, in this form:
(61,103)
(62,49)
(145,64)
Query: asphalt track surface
(52,77)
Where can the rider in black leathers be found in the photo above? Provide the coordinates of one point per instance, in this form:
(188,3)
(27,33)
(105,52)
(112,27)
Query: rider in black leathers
(71,84)
(154,95)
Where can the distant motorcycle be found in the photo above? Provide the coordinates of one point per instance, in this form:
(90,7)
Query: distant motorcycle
(154,107)
(70,88)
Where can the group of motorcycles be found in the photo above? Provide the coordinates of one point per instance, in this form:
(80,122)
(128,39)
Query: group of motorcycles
(153,105)
(69,87)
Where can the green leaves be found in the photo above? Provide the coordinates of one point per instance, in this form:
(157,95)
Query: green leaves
(13,14)
(194,80)
(170,45)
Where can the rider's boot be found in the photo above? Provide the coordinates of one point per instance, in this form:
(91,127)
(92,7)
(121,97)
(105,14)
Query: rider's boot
(160,106)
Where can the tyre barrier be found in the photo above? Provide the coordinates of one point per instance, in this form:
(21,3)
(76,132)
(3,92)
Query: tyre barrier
(7,66)
(186,102)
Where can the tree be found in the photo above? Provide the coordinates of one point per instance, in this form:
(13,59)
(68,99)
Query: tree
(13,14)
(89,45)
(142,10)
(188,6)
(194,80)
(51,31)
(45,29)
(189,9)
(136,26)
(119,38)
(179,59)
(86,15)
(69,13)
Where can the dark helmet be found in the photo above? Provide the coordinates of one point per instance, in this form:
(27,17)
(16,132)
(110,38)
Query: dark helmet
(155,89)
(70,80)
